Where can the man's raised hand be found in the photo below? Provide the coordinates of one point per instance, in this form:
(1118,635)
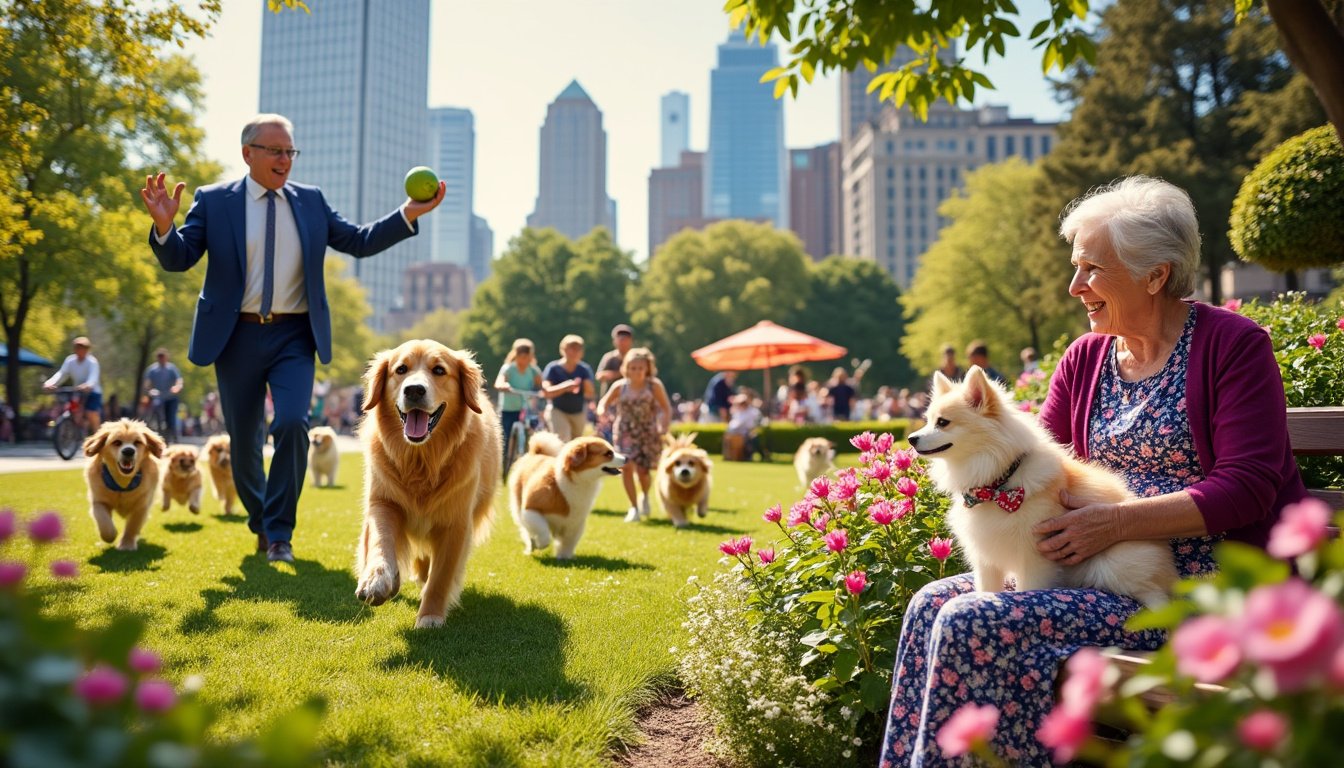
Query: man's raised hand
(162,207)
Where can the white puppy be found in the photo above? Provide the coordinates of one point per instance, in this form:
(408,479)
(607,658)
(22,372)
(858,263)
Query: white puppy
(323,458)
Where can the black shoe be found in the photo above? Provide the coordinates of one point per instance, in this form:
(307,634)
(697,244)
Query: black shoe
(280,552)
(262,542)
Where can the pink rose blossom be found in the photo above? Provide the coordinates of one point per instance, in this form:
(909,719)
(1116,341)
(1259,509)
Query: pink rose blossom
(907,487)
(1300,529)
(1025,406)
(1292,629)
(144,661)
(1232,304)
(1317,340)
(879,471)
(735,547)
(845,488)
(1336,672)
(1065,731)
(902,460)
(1263,730)
(155,696)
(9,521)
(773,514)
(904,507)
(821,522)
(11,573)
(800,513)
(1340,324)
(862,441)
(967,728)
(767,555)
(101,685)
(45,527)
(837,540)
(64,569)
(883,442)
(821,487)
(882,512)
(1086,683)
(855,582)
(941,549)
(1206,649)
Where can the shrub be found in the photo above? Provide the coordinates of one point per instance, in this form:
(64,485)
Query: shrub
(70,696)
(784,438)
(851,554)
(1286,216)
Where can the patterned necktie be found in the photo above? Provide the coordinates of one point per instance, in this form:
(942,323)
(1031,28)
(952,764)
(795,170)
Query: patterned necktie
(268,271)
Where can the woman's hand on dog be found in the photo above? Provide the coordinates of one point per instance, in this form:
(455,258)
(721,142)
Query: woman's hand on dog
(1079,533)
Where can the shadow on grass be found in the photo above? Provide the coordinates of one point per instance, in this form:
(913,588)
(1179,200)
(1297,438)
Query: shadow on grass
(223,518)
(321,488)
(113,560)
(696,526)
(595,562)
(497,648)
(317,593)
(182,527)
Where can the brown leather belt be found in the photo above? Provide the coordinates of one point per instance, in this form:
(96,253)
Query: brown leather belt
(274,317)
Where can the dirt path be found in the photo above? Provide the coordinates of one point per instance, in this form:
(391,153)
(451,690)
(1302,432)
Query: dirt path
(674,736)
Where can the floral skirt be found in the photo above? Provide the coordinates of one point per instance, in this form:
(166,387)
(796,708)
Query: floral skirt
(959,646)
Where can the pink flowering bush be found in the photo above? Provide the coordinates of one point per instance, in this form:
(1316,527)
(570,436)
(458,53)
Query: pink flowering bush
(835,581)
(94,697)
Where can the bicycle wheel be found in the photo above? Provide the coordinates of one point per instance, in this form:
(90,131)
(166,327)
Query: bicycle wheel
(66,437)
(516,445)
(156,421)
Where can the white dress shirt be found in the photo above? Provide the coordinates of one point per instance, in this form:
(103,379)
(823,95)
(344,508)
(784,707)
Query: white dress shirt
(80,372)
(288,294)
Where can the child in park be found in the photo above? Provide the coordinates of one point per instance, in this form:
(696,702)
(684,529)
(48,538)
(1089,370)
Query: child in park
(518,374)
(642,415)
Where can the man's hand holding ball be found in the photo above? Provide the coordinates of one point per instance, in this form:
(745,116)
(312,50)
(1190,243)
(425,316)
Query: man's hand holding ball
(425,192)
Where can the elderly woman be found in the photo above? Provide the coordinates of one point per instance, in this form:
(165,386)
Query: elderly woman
(1183,399)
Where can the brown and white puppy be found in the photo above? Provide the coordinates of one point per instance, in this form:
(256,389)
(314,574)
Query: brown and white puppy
(218,459)
(553,486)
(122,477)
(323,458)
(182,478)
(683,478)
(813,459)
(432,463)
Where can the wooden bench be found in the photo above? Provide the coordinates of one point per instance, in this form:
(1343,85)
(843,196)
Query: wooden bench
(1312,432)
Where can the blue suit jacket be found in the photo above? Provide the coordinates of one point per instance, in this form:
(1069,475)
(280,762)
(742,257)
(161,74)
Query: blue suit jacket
(216,223)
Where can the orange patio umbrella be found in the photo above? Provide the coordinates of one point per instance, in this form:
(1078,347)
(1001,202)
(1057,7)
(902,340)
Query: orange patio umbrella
(763,346)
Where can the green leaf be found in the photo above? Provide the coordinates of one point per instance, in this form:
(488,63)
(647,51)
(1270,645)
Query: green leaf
(874,691)
(290,740)
(1167,616)
(807,70)
(844,663)
(1039,29)
(820,596)
(1247,567)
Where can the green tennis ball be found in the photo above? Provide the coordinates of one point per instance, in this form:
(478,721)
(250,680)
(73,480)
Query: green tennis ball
(422,184)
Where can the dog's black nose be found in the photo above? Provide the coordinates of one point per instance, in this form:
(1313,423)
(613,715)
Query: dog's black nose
(413,391)
(914,440)
(127,450)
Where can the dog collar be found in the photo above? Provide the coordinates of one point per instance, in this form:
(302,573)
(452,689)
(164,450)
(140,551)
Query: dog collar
(111,482)
(1009,499)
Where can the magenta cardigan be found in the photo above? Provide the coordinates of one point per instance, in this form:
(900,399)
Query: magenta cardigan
(1238,420)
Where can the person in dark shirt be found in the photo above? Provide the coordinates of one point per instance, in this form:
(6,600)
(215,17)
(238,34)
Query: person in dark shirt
(978,354)
(841,393)
(718,394)
(568,384)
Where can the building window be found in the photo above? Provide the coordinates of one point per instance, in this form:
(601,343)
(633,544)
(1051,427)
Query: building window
(1009,146)
(970,146)
(992,148)
(1026,149)
(800,160)
(1045,145)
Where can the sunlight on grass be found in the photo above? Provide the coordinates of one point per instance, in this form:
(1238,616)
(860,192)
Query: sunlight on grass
(543,664)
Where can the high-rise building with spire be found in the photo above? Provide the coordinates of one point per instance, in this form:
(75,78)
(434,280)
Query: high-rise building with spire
(745,173)
(572,195)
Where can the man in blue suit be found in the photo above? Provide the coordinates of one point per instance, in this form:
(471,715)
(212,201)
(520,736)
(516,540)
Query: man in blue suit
(262,312)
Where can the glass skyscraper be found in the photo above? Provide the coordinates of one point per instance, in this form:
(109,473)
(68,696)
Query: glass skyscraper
(745,167)
(353,76)
(453,135)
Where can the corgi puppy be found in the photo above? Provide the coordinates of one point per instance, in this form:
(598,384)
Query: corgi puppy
(553,486)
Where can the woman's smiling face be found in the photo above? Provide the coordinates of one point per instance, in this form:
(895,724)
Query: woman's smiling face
(1116,302)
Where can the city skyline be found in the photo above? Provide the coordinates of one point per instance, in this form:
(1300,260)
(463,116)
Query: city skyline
(627,55)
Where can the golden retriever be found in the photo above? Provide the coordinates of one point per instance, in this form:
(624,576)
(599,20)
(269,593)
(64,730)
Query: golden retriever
(218,459)
(122,477)
(683,478)
(553,486)
(813,459)
(182,478)
(323,458)
(432,463)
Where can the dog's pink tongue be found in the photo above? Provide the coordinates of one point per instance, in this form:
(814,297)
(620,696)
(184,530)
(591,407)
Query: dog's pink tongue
(417,424)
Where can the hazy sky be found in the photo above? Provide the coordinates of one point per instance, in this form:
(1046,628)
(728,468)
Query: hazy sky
(505,60)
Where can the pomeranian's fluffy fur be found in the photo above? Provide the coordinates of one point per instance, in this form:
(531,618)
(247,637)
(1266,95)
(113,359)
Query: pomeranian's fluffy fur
(973,436)
(813,459)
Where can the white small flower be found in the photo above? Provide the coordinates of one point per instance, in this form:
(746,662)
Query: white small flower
(672,650)
(858,742)
(846,753)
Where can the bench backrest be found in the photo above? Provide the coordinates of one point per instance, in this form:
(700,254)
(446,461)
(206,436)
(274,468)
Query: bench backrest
(1318,432)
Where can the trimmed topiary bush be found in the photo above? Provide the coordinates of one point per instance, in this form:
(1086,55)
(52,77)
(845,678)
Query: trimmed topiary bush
(1287,215)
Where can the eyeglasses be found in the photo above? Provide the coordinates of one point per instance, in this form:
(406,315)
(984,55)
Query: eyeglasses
(277,151)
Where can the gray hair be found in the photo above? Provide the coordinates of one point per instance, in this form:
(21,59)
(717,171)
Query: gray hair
(1149,222)
(255,125)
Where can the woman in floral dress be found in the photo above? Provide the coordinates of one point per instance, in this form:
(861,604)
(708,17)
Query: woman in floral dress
(643,414)
(1182,398)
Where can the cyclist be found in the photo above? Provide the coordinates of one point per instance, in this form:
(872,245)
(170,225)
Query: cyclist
(569,385)
(518,374)
(163,382)
(82,368)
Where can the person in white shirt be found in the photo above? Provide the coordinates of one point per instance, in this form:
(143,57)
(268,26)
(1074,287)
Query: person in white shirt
(84,373)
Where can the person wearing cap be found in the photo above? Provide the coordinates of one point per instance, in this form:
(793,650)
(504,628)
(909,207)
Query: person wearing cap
(84,373)
(609,369)
(164,381)
(262,314)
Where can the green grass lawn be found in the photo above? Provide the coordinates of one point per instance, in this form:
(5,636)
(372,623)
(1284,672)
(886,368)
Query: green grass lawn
(543,664)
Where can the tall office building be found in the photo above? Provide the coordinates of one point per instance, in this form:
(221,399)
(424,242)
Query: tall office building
(572,196)
(897,170)
(453,141)
(675,199)
(482,249)
(674,127)
(745,168)
(353,77)
(814,198)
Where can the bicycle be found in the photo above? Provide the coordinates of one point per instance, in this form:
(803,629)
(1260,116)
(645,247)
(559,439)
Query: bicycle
(157,417)
(68,430)
(515,445)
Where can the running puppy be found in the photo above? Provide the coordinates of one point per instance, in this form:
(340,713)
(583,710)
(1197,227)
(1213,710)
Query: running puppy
(553,486)
(182,478)
(683,479)
(323,458)
(813,459)
(218,460)
(122,477)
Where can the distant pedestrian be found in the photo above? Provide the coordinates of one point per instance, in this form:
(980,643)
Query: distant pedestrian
(1029,362)
(609,369)
(718,393)
(642,414)
(164,381)
(978,354)
(568,384)
(518,376)
(86,377)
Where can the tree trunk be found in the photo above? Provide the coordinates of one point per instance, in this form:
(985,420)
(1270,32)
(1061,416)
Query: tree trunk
(1215,280)
(1314,42)
(12,378)
(1290,281)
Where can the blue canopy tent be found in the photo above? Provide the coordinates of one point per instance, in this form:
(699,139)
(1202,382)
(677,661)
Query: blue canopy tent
(25,357)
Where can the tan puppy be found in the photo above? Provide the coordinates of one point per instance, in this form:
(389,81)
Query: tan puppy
(683,478)
(432,463)
(1005,474)
(218,459)
(182,478)
(553,486)
(323,458)
(122,477)
(813,459)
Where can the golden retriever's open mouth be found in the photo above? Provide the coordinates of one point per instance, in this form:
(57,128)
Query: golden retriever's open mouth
(417,425)
(126,464)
